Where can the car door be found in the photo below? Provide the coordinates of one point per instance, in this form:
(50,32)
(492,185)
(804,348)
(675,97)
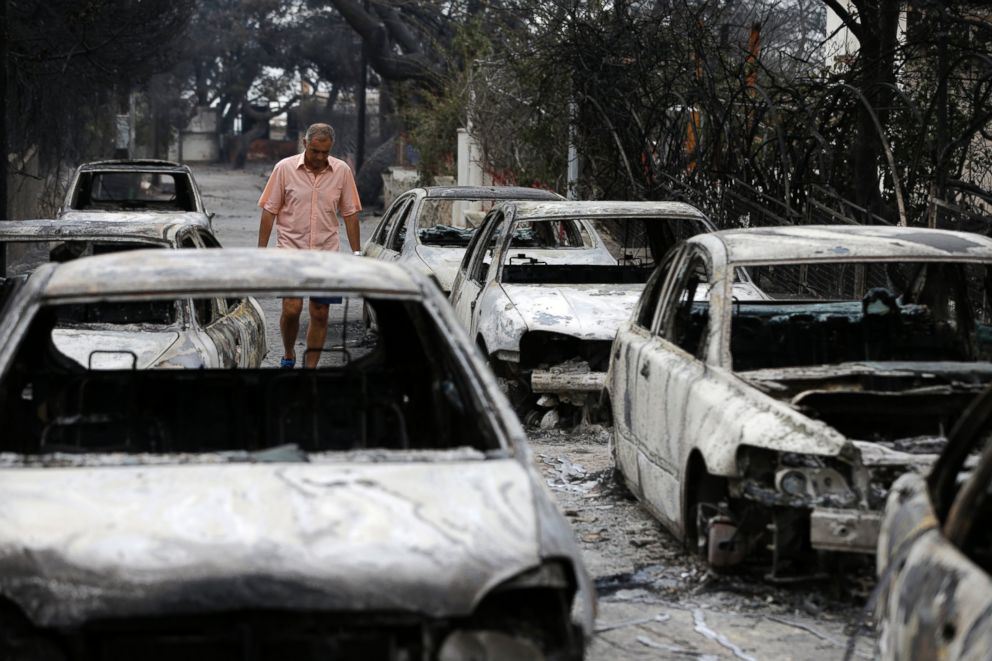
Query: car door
(467,256)
(377,242)
(210,329)
(388,250)
(670,366)
(626,352)
(402,234)
(476,267)
(238,320)
(236,328)
(938,553)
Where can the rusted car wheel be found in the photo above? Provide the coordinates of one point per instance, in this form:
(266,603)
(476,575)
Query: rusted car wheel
(710,525)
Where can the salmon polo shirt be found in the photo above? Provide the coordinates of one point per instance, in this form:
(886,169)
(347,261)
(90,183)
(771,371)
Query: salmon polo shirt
(306,204)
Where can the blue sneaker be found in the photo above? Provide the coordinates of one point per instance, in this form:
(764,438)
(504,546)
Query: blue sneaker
(287,363)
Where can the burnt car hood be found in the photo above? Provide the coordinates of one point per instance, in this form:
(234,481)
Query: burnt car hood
(442,262)
(120,347)
(588,312)
(196,217)
(78,544)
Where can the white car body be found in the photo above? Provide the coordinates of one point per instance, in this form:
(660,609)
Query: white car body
(218,333)
(504,316)
(400,237)
(386,506)
(691,430)
(179,201)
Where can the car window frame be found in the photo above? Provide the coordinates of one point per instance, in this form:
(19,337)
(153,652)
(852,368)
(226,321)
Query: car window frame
(469,253)
(679,278)
(382,232)
(199,238)
(673,269)
(401,226)
(656,283)
(485,233)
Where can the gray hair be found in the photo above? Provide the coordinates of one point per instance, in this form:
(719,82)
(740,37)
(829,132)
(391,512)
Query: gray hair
(318,131)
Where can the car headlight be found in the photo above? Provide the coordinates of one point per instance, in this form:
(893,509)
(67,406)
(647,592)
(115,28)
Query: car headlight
(793,482)
(818,483)
(485,645)
(788,476)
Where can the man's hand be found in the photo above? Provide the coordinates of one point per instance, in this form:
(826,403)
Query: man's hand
(265,228)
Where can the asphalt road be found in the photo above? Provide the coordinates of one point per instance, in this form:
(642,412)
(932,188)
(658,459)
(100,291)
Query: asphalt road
(655,600)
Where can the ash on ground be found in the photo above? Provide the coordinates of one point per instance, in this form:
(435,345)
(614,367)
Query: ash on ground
(656,599)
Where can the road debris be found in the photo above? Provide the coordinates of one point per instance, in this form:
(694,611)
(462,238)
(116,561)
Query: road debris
(718,638)
(660,617)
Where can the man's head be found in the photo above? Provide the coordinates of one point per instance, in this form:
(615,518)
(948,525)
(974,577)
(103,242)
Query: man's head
(317,143)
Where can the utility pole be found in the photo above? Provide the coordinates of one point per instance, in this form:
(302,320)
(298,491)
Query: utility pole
(941,162)
(364,78)
(572,190)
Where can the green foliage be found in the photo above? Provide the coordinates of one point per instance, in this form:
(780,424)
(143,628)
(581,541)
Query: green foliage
(432,120)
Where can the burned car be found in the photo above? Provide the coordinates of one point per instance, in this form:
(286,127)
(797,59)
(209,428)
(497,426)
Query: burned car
(935,551)
(429,228)
(383,505)
(131,191)
(180,332)
(780,424)
(543,287)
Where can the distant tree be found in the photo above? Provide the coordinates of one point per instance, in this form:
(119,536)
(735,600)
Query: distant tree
(69,69)
(423,52)
(247,58)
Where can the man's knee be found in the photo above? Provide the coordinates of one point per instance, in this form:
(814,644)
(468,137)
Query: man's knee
(292,307)
(318,312)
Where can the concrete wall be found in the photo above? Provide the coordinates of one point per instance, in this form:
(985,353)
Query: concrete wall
(200,143)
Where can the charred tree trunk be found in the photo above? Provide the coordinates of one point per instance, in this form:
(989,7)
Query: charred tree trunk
(878,36)
(380,32)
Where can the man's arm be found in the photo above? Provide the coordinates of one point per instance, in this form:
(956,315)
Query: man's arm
(265,228)
(354,233)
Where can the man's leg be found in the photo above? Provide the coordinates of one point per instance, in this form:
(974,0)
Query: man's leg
(289,325)
(316,333)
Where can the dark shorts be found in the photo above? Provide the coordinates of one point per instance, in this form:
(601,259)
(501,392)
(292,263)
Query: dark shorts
(326,300)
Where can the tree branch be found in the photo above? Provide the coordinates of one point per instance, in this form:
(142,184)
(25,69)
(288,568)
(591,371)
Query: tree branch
(389,65)
(846,18)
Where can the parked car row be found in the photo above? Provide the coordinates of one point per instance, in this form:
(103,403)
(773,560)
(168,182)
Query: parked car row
(776,396)
(384,506)
(167,496)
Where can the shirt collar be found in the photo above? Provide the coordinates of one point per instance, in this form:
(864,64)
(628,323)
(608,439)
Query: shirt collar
(301,163)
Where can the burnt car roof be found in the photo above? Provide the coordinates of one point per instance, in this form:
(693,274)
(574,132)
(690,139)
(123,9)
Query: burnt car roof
(143,164)
(811,243)
(45,229)
(154,272)
(490,192)
(606,208)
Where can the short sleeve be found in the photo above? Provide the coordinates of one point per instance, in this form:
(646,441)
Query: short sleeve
(272,197)
(349,203)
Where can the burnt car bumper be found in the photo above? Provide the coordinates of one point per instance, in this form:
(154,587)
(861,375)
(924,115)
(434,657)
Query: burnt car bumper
(847,530)
(556,381)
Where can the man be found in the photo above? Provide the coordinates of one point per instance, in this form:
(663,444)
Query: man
(303,197)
